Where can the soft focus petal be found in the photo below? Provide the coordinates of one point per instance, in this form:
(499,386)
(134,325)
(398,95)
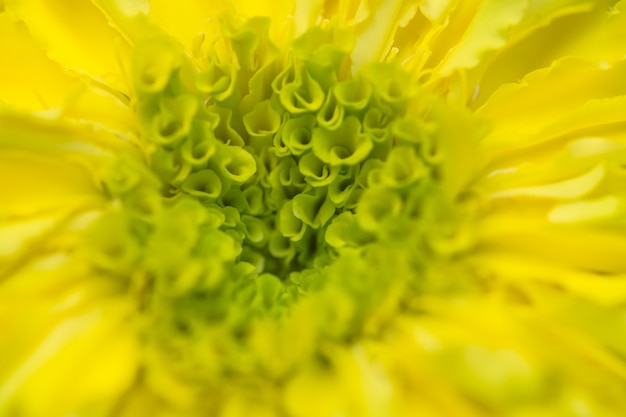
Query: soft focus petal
(72,325)
(76,35)
(32,82)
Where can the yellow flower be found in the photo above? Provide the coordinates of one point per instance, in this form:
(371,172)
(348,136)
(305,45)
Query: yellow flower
(312,208)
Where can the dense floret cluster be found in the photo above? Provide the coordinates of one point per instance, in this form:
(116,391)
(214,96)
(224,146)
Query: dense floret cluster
(254,196)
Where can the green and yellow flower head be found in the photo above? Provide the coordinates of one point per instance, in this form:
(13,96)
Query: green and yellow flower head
(355,208)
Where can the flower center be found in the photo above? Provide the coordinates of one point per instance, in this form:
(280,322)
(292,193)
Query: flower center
(283,144)
(270,177)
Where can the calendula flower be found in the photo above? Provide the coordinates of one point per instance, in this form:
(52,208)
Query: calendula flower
(312,208)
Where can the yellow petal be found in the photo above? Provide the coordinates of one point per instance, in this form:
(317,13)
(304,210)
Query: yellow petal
(375,35)
(52,166)
(76,35)
(319,384)
(187,19)
(568,189)
(434,10)
(544,165)
(15,235)
(486,32)
(70,325)
(542,12)
(92,104)
(129,18)
(306,14)
(31,81)
(519,112)
(36,184)
(129,7)
(608,290)
(57,137)
(587,211)
(590,248)
(595,113)
(598,29)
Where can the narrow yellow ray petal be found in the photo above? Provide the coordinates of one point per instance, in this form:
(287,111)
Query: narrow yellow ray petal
(594,113)
(41,237)
(558,161)
(508,266)
(527,49)
(14,235)
(603,147)
(35,184)
(568,189)
(76,35)
(58,137)
(18,235)
(121,13)
(542,12)
(106,338)
(375,35)
(129,7)
(455,22)
(51,165)
(68,316)
(589,248)
(306,14)
(595,210)
(598,33)
(519,111)
(49,281)
(602,40)
(588,358)
(486,33)
(50,346)
(51,172)
(91,104)
(434,10)
(413,41)
(349,12)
